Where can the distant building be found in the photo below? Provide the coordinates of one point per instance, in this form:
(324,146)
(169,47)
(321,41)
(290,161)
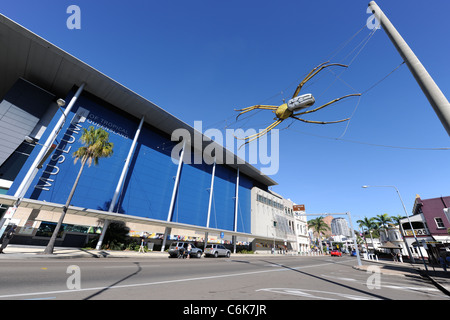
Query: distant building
(339,226)
(430,226)
(272,223)
(301,229)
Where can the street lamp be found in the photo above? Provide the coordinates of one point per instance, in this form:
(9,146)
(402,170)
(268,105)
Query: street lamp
(410,224)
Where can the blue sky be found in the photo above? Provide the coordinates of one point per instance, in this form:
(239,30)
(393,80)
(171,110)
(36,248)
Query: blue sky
(201,59)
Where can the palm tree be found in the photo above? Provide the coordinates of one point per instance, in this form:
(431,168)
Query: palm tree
(397,219)
(383,221)
(370,225)
(96,146)
(319,226)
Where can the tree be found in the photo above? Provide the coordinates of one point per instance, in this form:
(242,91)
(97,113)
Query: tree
(370,225)
(96,146)
(396,219)
(319,226)
(383,221)
(367,223)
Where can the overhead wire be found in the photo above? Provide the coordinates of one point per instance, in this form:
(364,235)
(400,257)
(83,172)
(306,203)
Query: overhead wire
(358,49)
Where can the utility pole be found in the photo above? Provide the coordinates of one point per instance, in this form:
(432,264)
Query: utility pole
(434,95)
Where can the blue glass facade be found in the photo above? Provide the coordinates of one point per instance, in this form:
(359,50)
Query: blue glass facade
(149,184)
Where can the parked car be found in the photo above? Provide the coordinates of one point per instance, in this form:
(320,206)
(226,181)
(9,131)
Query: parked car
(176,249)
(336,253)
(217,250)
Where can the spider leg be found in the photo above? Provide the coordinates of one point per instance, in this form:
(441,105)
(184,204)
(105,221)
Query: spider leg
(320,122)
(313,72)
(265,107)
(259,134)
(327,104)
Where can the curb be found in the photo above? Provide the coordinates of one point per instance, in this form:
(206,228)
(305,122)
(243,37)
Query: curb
(398,274)
(436,283)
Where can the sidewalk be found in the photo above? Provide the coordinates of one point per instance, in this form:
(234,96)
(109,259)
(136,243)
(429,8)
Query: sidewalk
(438,276)
(35,252)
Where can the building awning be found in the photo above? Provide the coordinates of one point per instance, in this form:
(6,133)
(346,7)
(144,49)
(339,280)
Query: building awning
(99,214)
(389,245)
(25,55)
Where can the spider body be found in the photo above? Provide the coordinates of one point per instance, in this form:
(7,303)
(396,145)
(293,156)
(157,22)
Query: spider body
(295,104)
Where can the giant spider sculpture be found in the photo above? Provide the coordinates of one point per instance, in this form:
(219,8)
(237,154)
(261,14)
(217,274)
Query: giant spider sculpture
(297,103)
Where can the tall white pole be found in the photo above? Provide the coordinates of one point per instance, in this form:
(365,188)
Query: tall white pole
(236,201)
(31,173)
(175,186)
(25,184)
(120,183)
(236,207)
(211,192)
(434,95)
(174,194)
(358,257)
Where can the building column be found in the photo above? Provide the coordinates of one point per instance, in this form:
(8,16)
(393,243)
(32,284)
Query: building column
(174,194)
(236,209)
(120,183)
(33,170)
(211,190)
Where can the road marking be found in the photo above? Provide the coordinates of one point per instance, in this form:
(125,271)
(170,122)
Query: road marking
(310,294)
(129,266)
(411,288)
(161,282)
(338,278)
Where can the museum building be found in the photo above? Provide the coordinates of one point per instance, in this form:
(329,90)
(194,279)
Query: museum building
(47,98)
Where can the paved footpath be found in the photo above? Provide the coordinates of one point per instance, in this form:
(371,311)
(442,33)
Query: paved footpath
(437,275)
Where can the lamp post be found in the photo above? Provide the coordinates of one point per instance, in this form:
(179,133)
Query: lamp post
(410,224)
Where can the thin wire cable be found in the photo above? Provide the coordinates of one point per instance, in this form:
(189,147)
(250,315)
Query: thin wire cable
(372,144)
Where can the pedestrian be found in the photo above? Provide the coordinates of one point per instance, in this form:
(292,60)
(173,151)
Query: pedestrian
(141,248)
(181,253)
(9,234)
(394,256)
(189,248)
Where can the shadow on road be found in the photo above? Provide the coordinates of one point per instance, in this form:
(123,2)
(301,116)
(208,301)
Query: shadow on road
(116,283)
(329,281)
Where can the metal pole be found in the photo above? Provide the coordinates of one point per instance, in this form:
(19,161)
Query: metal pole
(358,257)
(434,95)
(211,190)
(175,186)
(410,224)
(236,201)
(120,183)
(414,233)
(174,194)
(26,182)
(236,210)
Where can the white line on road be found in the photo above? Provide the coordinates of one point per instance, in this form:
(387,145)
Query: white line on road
(160,282)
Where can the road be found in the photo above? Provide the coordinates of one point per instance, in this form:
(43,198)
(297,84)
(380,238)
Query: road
(236,278)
